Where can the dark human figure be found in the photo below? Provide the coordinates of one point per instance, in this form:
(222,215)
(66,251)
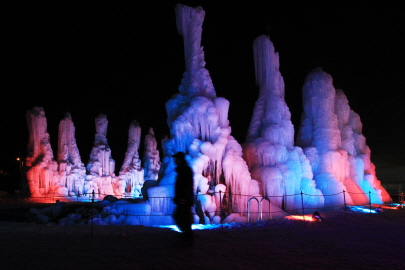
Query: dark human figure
(183,197)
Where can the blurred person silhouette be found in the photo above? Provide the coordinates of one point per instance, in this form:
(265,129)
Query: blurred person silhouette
(183,197)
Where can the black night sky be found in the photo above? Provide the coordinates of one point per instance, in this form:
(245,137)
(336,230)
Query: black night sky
(125,59)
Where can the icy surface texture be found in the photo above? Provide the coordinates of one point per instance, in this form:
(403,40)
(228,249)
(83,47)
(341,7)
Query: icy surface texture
(362,170)
(151,158)
(199,126)
(131,176)
(330,134)
(196,79)
(71,168)
(101,166)
(42,174)
(281,168)
(332,155)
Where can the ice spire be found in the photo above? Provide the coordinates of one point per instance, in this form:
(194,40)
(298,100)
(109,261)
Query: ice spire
(101,166)
(320,137)
(199,126)
(131,174)
(151,159)
(131,156)
(42,174)
(38,136)
(361,169)
(101,162)
(67,147)
(196,81)
(319,122)
(269,151)
(330,143)
(71,168)
(271,118)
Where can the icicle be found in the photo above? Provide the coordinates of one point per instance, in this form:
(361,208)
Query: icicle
(222,106)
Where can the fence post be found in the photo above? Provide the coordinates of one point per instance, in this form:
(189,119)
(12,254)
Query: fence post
(302,202)
(271,215)
(369,198)
(92,211)
(220,209)
(344,201)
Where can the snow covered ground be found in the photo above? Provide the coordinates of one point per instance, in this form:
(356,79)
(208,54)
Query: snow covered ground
(359,241)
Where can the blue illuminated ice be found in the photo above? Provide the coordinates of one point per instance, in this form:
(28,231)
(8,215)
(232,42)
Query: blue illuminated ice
(151,158)
(280,167)
(329,157)
(199,126)
(331,137)
(131,177)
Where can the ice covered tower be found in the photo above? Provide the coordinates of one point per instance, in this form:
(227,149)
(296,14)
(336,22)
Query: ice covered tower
(100,168)
(271,117)
(151,159)
(101,162)
(196,79)
(42,174)
(281,168)
(67,147)
(132,156)
(38,136)
(199,126)
(361,169)
(68,152)
(71,168)
(321,139)
(131,174)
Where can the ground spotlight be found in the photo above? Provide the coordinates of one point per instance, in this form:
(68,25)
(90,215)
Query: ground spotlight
(317,217)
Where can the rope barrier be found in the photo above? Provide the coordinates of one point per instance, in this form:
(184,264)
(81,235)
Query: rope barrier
(92,197)
(54,197)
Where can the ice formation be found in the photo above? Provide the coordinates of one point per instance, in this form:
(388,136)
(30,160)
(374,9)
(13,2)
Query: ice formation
(42,174)
(100,166)
(45,175)
(282,169)
(332,155)
(362,170)
(151,159)
(131,176)
(199,125)
(71,168)
(330,135)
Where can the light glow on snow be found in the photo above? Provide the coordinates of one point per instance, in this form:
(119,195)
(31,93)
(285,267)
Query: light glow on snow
(195,226)
(364,210)
(300,217)
(388,206)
